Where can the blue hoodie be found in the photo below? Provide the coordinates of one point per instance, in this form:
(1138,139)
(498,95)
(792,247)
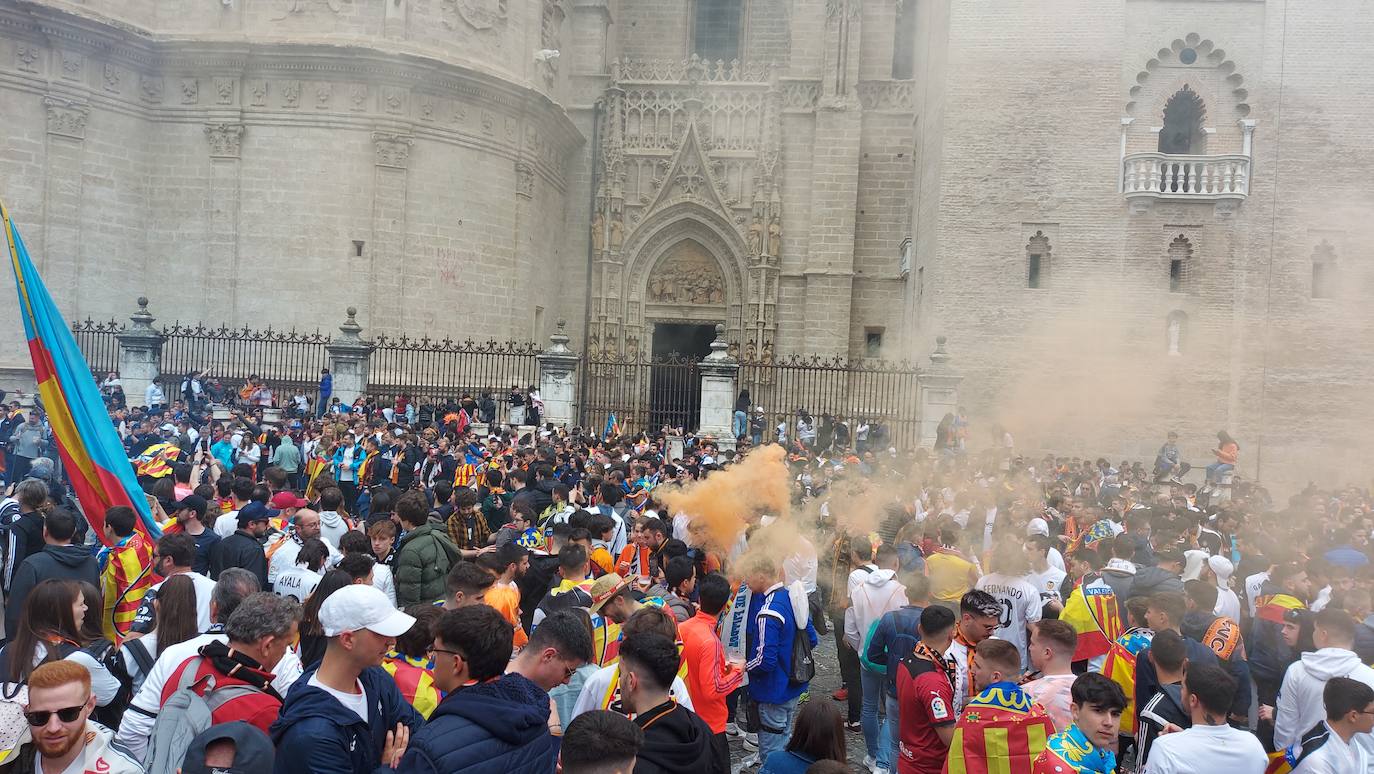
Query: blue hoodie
(496,726)
(315,733)
(768,643)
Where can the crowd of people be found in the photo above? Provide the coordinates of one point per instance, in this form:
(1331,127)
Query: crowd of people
(428,588)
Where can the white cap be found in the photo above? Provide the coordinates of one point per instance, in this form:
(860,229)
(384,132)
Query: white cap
(1193,559)
(1038,526)
(1222,568)
(357,607)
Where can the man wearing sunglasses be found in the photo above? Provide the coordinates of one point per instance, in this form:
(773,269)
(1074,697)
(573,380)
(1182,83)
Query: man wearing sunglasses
(63,738)
(491,721)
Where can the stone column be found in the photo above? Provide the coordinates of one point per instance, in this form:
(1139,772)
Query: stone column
(557,379)
(938,388)
(140,355)
(718,375)
(348,356)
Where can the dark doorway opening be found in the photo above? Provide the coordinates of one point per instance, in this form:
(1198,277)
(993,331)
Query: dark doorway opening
(674,383)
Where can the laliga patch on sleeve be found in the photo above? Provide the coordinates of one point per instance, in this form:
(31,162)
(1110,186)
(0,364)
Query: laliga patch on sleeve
(938,710)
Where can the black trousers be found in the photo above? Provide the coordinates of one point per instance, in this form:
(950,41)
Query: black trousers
(849,668)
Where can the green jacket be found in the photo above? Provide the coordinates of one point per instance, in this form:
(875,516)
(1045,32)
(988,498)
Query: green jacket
(423,560)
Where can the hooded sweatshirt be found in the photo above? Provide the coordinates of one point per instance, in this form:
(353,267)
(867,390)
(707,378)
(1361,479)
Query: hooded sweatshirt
(1222,636)
(501,725)
(63,562)
(1300,705)
(879,593)
(676,741)
(332,527)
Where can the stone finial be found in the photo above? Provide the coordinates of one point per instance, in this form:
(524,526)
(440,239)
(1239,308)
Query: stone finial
(142,319)
(558,341)
(351,330)
(719,348)
(940,357)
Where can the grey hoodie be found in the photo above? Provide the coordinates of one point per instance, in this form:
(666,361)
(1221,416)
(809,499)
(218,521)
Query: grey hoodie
(332,527)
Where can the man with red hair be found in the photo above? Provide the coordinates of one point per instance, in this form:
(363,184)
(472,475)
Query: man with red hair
(64,738)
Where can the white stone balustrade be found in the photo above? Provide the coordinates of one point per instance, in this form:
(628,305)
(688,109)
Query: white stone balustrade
(1196,178)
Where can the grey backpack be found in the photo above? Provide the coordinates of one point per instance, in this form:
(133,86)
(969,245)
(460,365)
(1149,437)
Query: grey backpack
(186,713)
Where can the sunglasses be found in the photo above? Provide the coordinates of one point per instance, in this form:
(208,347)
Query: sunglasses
(66,715)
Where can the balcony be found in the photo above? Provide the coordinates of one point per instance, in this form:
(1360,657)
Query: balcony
(1149,176)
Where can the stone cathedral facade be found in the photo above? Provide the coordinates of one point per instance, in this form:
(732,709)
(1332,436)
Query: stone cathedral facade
(1163,203)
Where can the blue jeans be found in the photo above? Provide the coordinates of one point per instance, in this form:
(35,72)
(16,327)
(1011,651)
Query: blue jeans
(1218,469)
(876,729)
(894,731)
(775,726)
(740,425)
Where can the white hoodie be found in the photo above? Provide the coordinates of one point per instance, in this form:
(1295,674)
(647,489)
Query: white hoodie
(1300,706)
(879,593)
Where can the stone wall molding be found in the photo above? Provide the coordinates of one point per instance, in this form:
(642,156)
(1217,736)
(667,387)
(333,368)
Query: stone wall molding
(225,140)
(66,117)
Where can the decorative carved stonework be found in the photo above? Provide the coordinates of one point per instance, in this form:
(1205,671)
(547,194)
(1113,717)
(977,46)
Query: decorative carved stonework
(687,275)
(357,96)
(323,93)
(290,94)
(257,93)
(72,64)
(150,88)
(224,91)
(66,117)
(394,99)
(480,15)
(26,56)
(190,91)
(885,95)
(299,6)
(225,140)
(111,77)
(524,180)
(393,150)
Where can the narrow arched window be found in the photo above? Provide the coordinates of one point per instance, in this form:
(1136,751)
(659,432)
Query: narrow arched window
(1038,261)
(1324,271)
(1180,264)
(1182,132)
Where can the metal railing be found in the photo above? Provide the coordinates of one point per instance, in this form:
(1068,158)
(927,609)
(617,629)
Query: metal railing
(882,392)
(442,370)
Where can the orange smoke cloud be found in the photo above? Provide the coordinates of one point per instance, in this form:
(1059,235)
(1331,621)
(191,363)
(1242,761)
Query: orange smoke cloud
(724,500)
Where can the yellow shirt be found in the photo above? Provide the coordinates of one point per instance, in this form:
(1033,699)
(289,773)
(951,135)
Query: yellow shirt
(951,575)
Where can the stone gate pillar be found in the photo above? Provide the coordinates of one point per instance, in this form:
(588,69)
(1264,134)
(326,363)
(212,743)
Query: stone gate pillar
(348,360)
(719,372)
(140,355)
(938,388)
(557,379)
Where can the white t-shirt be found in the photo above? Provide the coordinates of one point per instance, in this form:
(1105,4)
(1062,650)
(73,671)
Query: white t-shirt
(594,690)
(353,702)
(1021,604)
(1253,586)
(1207,748)
(296,582)
(383,580)
(1228,604)
(227,523)
(1335,756)
(204,589)
(1048,583)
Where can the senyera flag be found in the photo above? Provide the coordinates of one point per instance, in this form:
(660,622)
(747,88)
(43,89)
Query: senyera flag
(90,447)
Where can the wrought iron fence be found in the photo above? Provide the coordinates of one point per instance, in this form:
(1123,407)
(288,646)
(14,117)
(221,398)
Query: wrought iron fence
(882,392)
(99,342)
(286,360)
(438,370)
(642,392)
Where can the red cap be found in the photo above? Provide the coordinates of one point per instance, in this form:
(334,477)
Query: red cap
(286,499)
